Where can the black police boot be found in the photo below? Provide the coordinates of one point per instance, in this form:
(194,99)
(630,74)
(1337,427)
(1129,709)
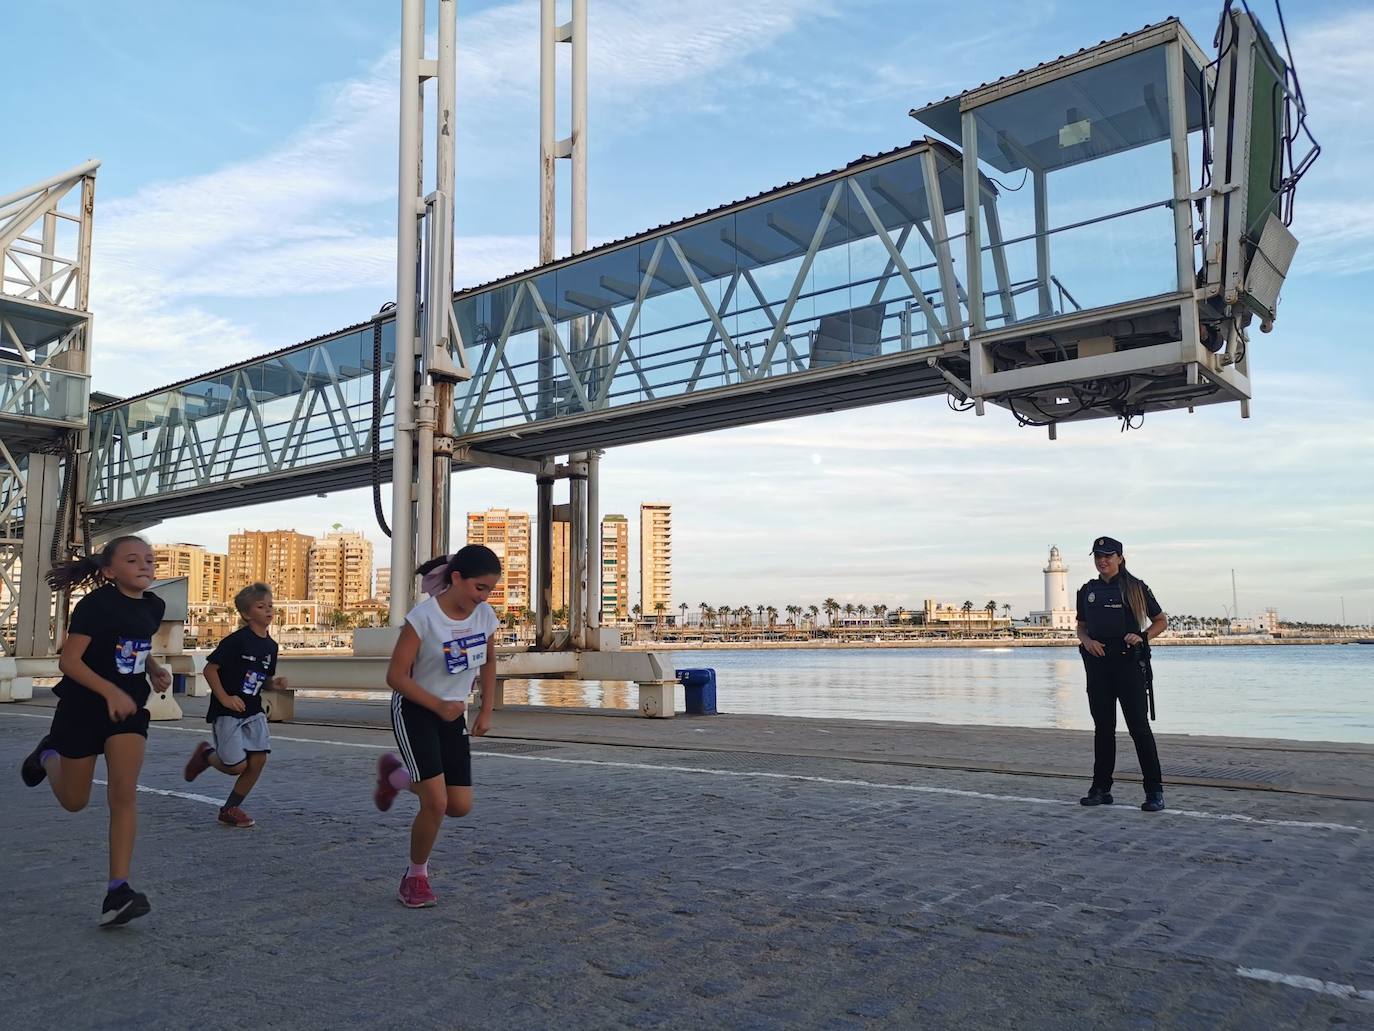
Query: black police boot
(1154,802)
(1096,796)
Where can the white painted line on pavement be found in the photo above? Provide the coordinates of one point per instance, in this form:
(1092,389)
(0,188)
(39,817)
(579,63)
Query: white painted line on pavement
(1311,984)
(920,789)
(171,794)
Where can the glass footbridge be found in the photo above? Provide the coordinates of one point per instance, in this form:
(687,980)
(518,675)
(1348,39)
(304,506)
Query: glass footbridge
(1047,254)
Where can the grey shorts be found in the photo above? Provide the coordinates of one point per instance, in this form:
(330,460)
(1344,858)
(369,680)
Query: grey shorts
(235,737)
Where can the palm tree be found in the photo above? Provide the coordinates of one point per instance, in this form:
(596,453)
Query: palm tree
(991,606)
(683,607)
(660,608)
(705,613)
(863,611)
(1006,613)
(637,612)
(815,612)
(831,607)
(725,613)
(968,610)
(794,612)
(880,612)
(772,616)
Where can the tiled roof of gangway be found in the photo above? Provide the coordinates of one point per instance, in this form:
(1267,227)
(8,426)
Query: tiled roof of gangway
(661,228)
(751,199)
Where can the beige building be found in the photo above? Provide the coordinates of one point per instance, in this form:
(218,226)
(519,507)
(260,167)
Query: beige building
(204,571)
(340,571)
(953,617)
(508,534)
(655,557)
(615,569)
(382,592)
(210,623)
(278,558)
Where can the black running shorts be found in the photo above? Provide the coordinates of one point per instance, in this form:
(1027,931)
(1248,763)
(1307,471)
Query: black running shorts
(81,729)
(429,746)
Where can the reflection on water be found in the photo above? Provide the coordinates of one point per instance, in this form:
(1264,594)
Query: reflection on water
(1316,693)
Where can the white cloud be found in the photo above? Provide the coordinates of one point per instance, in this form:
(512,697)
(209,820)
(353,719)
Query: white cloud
(313,216)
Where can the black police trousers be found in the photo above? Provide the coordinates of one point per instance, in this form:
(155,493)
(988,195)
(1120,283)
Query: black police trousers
(1117,677)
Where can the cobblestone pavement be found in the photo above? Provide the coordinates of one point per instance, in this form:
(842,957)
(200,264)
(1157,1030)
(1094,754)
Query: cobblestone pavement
(598,886)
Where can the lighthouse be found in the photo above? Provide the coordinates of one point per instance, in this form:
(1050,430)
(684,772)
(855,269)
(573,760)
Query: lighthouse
(1056,583)
(1057,612)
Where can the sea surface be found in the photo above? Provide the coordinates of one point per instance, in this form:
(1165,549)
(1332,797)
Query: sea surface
(1307,692)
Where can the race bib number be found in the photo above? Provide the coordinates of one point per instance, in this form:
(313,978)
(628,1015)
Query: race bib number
(465,653)
(131,654)
(254,681)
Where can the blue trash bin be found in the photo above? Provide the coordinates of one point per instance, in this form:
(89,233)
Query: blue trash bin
(699,687)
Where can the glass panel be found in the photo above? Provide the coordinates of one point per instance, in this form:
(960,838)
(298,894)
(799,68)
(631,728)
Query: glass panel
(42,393)
(1080,173)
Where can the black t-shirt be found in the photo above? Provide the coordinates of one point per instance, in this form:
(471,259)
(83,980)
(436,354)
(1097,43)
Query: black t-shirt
(246,664)
(1105,615)
(121,630)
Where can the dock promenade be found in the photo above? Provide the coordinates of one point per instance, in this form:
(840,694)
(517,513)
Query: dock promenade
(708,872)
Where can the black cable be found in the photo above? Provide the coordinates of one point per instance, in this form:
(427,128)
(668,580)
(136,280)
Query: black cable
(377,416)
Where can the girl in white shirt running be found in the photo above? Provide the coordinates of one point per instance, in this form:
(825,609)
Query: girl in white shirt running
(448,643)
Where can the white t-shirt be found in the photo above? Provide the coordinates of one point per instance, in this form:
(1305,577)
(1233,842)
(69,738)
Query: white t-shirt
(451,650)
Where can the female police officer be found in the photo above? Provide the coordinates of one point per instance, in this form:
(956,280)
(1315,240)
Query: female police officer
(1112,610)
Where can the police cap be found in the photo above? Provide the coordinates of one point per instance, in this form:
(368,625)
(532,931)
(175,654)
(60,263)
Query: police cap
(1107,546)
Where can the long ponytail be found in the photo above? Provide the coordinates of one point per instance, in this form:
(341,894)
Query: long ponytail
(89,570)
(1133,593)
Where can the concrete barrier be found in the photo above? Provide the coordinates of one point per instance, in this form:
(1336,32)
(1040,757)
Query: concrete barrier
(306,673)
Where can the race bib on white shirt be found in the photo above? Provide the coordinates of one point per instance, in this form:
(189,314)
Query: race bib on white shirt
(131,654)
(465,653)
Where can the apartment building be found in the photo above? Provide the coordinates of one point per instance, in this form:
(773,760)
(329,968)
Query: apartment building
(508,534)
(278,558)
(340,571)
(205,571)
(615,569)
(655,557)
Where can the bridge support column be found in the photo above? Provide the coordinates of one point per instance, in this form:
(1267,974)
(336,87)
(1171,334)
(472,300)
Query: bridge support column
(543,529)
(34,636)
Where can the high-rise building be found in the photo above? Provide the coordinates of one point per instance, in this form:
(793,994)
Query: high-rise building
(615,568)
(340,570)
(383,589)
(508,534)
(562,566)
(655,557)
(278,558)
(204,570)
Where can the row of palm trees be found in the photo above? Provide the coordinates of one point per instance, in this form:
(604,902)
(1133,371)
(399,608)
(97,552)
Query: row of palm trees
(798,616)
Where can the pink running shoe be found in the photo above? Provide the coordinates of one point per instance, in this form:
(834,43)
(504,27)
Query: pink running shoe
(199,761)
(415,892)
(385,794)
(233,816)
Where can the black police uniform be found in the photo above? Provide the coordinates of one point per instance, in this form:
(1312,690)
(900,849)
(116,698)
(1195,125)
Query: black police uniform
(1117,676)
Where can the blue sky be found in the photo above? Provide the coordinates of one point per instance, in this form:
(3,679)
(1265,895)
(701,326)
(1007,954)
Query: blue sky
(246,201)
